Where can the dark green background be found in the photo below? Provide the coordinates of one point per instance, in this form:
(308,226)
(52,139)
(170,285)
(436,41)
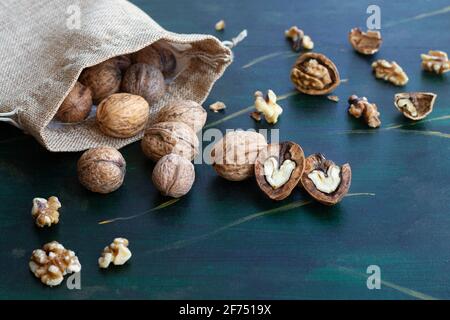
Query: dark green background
(198,248)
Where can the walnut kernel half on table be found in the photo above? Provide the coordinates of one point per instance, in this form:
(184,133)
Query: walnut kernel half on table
(45,212)
(116,253)
(360,107)
(435,61)
(390,71)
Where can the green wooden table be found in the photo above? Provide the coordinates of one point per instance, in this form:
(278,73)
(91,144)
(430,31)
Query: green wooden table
(227,240)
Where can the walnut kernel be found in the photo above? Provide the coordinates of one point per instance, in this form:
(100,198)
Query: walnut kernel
(76,106)
(415,105)
(390,71)
(45,212)
(435,61)
(366,43)
(361,107)
(299,39)
(268,106)
(217,106)
(116,253)
(220,25)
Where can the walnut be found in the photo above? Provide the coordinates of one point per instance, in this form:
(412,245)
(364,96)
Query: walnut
(163,138)
(173,175)
(299,39)
(122,115)
(45,212)
(217,106)
(116,253)
(233,157)
(101,169)
(121,62)
(415,105)
(268,106)
(168,61)
(144,80)
(315,74)
(53,262)
(148,55)
(361,107)
(278,169)
(390,71)
(77,105)
(366,43)
(103,79)
(435,61)
(324,180)
(186,111)
(220,25)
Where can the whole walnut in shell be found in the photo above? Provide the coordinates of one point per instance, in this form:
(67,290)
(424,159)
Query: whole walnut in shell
(121,62)
(173,175)
(144,80)
(148,55)
(187,111)
(234,156)
(103,79)
(163,138)
(122,115)
(77,105)
(101,169)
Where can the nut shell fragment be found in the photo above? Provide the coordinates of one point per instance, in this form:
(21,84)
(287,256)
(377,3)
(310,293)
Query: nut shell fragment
(279,168)
(317,163)
(366,43)
(415,105)
(315,74)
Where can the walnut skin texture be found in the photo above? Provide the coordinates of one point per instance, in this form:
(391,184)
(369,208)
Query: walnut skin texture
(45,212)
(77,105)
(122,115)
(234,156)
(366,43)
(415,105)
(101,169)
(144,80)
(361,107)
(315,74)
(173,175)
(187,111)
(317,162)
(103,79)
(281,154)
(163,138)
(51,263)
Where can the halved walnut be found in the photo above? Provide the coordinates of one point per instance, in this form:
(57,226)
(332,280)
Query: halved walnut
(365,42)
(315,74)
(415,105)
(278,169)
(325,181)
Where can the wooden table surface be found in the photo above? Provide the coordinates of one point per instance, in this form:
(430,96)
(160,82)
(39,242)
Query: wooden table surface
(227,240)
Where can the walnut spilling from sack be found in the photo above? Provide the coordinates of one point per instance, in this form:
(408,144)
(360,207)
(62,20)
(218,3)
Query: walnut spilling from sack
(390,71)
(299,39)
(217,106)
(45,212)
(116,253)
(361,107)
(435,61)
(220,25)
(268,106)
(53,262)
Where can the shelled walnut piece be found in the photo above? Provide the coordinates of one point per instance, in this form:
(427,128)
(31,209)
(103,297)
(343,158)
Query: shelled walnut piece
(233,157)
(315,74)
(76,106)
(390,71)
(268,106)
(366,43)
(435,61)
(220,25)
(45,212)
(278,169)
(217,106)
(299,39)
(186,111)
(325,181)
(415,105)
(361,107)
(116,253)
(51,263)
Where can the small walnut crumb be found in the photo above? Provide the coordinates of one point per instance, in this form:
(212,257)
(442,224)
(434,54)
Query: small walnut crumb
(390,71)
(217,106)
(220,25)
(299,39)
(117,253)
(333,98)
(53,262)
(361,107)
(435,61)
(268,106)
(255,115)
(45,212)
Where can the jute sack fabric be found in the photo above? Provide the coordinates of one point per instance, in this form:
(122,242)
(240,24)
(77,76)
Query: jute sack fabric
(43,52)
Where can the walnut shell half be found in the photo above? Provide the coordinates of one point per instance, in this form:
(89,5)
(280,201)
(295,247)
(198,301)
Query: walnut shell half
(415,105)
(315,74)
(279,168)
(324,180)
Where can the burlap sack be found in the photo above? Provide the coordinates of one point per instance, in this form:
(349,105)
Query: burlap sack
(43,53)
